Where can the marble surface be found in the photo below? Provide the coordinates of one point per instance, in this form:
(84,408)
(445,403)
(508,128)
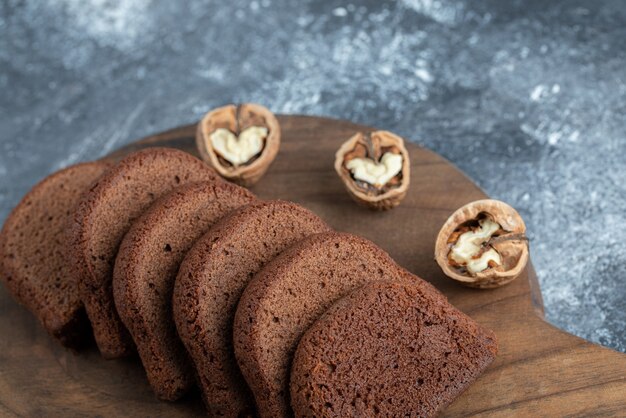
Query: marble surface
(527,97)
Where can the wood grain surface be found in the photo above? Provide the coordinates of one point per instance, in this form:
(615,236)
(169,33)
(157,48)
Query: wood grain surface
(540,370)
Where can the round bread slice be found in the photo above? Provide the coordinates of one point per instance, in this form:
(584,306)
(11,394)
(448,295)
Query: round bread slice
(146,268)
(33,256)
(388,349)
(212,277)
(103,217)
(287,296)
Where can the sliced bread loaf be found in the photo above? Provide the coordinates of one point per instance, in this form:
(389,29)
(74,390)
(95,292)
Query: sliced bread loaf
(388,349)
(145,270)
(103,217)
(210,280)
(287,296)
(33,255)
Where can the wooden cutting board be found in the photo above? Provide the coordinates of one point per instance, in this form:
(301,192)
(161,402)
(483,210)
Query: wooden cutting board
(540,370)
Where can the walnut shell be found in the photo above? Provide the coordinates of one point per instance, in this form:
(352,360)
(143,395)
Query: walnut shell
(373,145)
(236,119)
(511,244)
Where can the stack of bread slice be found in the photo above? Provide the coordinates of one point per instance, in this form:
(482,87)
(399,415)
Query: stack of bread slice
(259,303)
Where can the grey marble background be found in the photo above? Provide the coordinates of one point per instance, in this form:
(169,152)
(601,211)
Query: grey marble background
(527,97)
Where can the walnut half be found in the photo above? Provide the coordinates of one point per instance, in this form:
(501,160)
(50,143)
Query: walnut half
(240,142)
(375,169)
(483,244)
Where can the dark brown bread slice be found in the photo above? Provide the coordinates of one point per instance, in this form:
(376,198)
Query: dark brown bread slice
(388,349)
(33,256)
(145,270)
(103,217)
(287,296)
(210,281)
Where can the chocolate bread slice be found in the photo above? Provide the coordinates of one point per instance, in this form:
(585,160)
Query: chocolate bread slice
(103,217)
(211,278)
(387,349)
(145,270)
(288,295)
(33,257)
